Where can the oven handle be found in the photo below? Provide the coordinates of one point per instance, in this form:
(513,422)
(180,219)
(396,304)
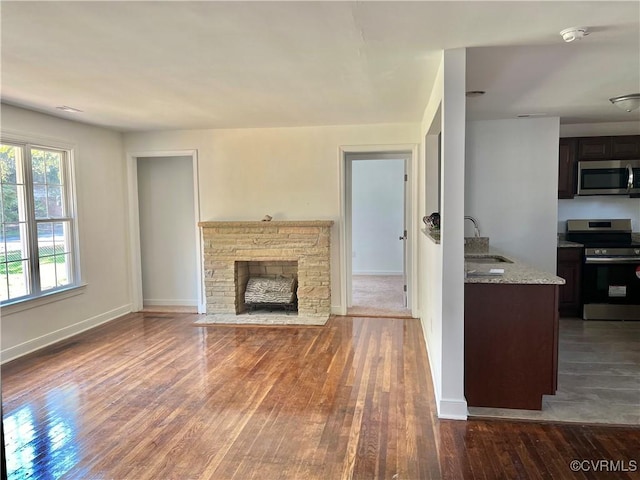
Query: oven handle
(612,260)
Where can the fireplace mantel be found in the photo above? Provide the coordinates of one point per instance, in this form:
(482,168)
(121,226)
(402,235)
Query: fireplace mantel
(270,224)
(306,242)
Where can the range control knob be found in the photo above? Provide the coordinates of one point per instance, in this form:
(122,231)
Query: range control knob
(604,252)
(597,251)
(637,251)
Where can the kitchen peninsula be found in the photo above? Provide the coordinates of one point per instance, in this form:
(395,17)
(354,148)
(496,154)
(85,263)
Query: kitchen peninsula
(511,332)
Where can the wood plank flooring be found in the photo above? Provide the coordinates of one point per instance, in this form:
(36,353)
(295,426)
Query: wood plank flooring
(150,396)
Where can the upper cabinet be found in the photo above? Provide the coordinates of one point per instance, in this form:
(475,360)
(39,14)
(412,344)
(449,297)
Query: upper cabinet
(625,148)
(567,168)
(594,148)
(574,150)
(609,148)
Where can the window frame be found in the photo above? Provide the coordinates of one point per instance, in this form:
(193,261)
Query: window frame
(36,296)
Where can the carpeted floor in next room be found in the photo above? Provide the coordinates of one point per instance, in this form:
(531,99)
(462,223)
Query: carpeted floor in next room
(378,296)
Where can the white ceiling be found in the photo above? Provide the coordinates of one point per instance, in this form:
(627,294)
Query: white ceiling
(182,65)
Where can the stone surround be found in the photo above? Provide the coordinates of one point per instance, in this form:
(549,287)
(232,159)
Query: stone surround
(229,246)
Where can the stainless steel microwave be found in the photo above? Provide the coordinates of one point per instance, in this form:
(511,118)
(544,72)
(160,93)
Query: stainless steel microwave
(609,177)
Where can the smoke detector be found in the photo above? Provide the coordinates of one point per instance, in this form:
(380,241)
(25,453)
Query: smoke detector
(574,33)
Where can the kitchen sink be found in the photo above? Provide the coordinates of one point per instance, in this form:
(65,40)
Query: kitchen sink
(486,259)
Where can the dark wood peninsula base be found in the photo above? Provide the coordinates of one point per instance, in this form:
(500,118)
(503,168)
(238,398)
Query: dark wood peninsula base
(511,344)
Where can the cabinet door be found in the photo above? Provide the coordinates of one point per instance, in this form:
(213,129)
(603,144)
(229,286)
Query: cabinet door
(594,148)
(626,148)
(570,268)
(567,168)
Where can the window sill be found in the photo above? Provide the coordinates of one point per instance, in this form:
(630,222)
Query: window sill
(19,306)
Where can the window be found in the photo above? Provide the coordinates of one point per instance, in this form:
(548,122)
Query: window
(37,247)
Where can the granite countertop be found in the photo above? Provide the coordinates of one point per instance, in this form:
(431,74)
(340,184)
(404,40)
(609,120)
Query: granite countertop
(567,244)
(514,273)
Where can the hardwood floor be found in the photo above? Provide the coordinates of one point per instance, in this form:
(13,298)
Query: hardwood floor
(150,396)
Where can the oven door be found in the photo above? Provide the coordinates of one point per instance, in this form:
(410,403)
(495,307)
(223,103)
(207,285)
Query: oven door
(609,177)
(611,288)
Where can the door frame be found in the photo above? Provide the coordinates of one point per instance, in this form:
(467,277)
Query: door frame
(411,194)
(135,256)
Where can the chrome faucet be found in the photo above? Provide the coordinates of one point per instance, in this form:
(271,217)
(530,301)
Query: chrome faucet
(476,229)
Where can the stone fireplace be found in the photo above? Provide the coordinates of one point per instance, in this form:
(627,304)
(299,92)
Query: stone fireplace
(233,251)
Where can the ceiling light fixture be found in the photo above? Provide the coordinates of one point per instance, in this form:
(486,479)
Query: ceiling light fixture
(628,103)
(67,109)
(574,33)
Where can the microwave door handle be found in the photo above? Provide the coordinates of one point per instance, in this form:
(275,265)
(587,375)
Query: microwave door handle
(630,180)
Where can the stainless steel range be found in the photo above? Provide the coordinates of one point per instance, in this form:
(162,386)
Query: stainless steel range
(611,268)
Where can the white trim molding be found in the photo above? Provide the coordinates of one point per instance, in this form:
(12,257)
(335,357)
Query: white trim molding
(55,296)
(170,302)
(25,348)
(135,260)
(411,150)
(452,409)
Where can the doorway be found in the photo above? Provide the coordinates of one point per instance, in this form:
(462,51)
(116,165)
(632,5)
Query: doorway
(376,231)
(165,239)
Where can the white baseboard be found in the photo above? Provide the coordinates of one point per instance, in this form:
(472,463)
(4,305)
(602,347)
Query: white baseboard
(377,272)
(447,408)
(22,349)
(452,409)
(169,302)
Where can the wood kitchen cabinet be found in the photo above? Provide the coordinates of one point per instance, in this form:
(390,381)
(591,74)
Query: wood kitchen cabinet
(569,267)
(594,148)
(622,147)
(575,149)
(567,168)
(625,147)
(510,344)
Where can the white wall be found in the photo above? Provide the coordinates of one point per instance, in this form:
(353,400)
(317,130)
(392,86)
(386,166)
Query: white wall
(377,216)
(288,173)
(607,206)
(441,267)
(101,194)
(167,239)
(511,183)
(602,206)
